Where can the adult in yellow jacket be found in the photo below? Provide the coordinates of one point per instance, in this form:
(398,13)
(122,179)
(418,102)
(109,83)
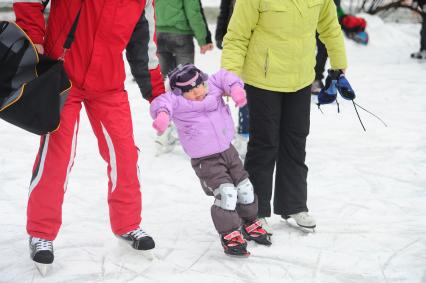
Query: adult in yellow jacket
(271,45)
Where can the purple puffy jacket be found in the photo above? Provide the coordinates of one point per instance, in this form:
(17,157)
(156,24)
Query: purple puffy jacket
(204,127)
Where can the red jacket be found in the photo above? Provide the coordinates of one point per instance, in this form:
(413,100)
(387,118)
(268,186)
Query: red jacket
(105,28)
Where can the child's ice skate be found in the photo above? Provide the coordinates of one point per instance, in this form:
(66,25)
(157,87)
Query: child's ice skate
(302,219)
(254,231)
(265,225)
(234,244)
(41,252)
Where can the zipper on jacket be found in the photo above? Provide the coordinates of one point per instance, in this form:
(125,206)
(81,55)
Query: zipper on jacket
(266,62)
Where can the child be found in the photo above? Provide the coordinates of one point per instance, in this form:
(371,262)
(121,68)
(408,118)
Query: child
(205,130)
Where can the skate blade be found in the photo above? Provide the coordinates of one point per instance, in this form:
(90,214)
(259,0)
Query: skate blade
(293,224)
(42,268)
(264,242)
(148,254)
(246,255)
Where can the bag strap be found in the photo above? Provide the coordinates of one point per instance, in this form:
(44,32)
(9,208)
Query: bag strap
(70,37)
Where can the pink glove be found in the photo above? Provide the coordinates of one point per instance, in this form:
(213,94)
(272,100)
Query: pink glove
(161,122)
(238,94)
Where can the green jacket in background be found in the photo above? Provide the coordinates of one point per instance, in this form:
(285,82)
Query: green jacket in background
(271,43)
(182,17)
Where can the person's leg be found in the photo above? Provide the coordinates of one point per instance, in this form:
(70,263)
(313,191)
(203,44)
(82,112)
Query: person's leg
(111,121)
(165,53)
(50,172)
(246,200)
(262,149)
(241,139)
(291,173)
(243,121)
(215,181)
(184,49)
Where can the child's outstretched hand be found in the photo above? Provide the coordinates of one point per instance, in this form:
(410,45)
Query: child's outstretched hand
(238,94)
(161,122)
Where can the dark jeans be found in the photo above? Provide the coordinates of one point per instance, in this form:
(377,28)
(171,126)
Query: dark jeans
(321,59)
(174,49)
(279,125)
(243,120)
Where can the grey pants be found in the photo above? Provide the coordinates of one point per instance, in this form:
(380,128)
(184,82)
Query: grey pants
(174,49)
(226,169)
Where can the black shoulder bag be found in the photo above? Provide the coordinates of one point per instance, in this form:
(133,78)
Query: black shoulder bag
(33,87)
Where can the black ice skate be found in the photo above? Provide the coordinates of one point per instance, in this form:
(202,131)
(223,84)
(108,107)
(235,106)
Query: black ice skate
(234,244)
(254,231)
(41,252)
(139,239)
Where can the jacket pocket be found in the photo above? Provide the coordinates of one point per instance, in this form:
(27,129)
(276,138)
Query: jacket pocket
(273,15)
(314,9)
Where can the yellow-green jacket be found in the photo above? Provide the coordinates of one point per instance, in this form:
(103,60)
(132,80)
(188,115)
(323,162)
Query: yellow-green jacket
(271,43)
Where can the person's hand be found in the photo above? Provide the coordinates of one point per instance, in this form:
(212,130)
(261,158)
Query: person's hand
(40,48)
(238,94)
(206,47)
(161,122)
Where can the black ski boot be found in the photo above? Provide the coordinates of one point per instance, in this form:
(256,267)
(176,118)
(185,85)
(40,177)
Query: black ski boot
(234,244)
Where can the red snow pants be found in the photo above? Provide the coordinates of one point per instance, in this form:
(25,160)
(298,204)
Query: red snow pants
(110,118)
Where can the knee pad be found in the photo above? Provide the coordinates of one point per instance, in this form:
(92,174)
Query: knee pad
(245,192)
(226,196)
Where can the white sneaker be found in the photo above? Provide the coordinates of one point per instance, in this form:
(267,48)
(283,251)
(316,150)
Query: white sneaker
(265,225)
(303,219)
(167,141)
(240,143)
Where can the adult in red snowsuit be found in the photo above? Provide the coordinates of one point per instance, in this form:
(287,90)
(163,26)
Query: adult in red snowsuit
(95,67)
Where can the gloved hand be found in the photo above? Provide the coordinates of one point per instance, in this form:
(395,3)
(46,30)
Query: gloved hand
(343,86)
(238,94)
(328,93)
(161,122)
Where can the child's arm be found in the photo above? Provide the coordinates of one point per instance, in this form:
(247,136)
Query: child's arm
(230,84)
(161,110)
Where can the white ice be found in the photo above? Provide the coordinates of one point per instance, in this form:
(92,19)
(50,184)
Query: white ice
(366,189)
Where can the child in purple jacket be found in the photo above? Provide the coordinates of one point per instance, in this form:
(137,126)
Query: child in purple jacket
(205,130)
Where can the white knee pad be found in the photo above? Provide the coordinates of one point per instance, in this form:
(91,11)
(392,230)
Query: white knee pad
(228,196)
(245,192)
